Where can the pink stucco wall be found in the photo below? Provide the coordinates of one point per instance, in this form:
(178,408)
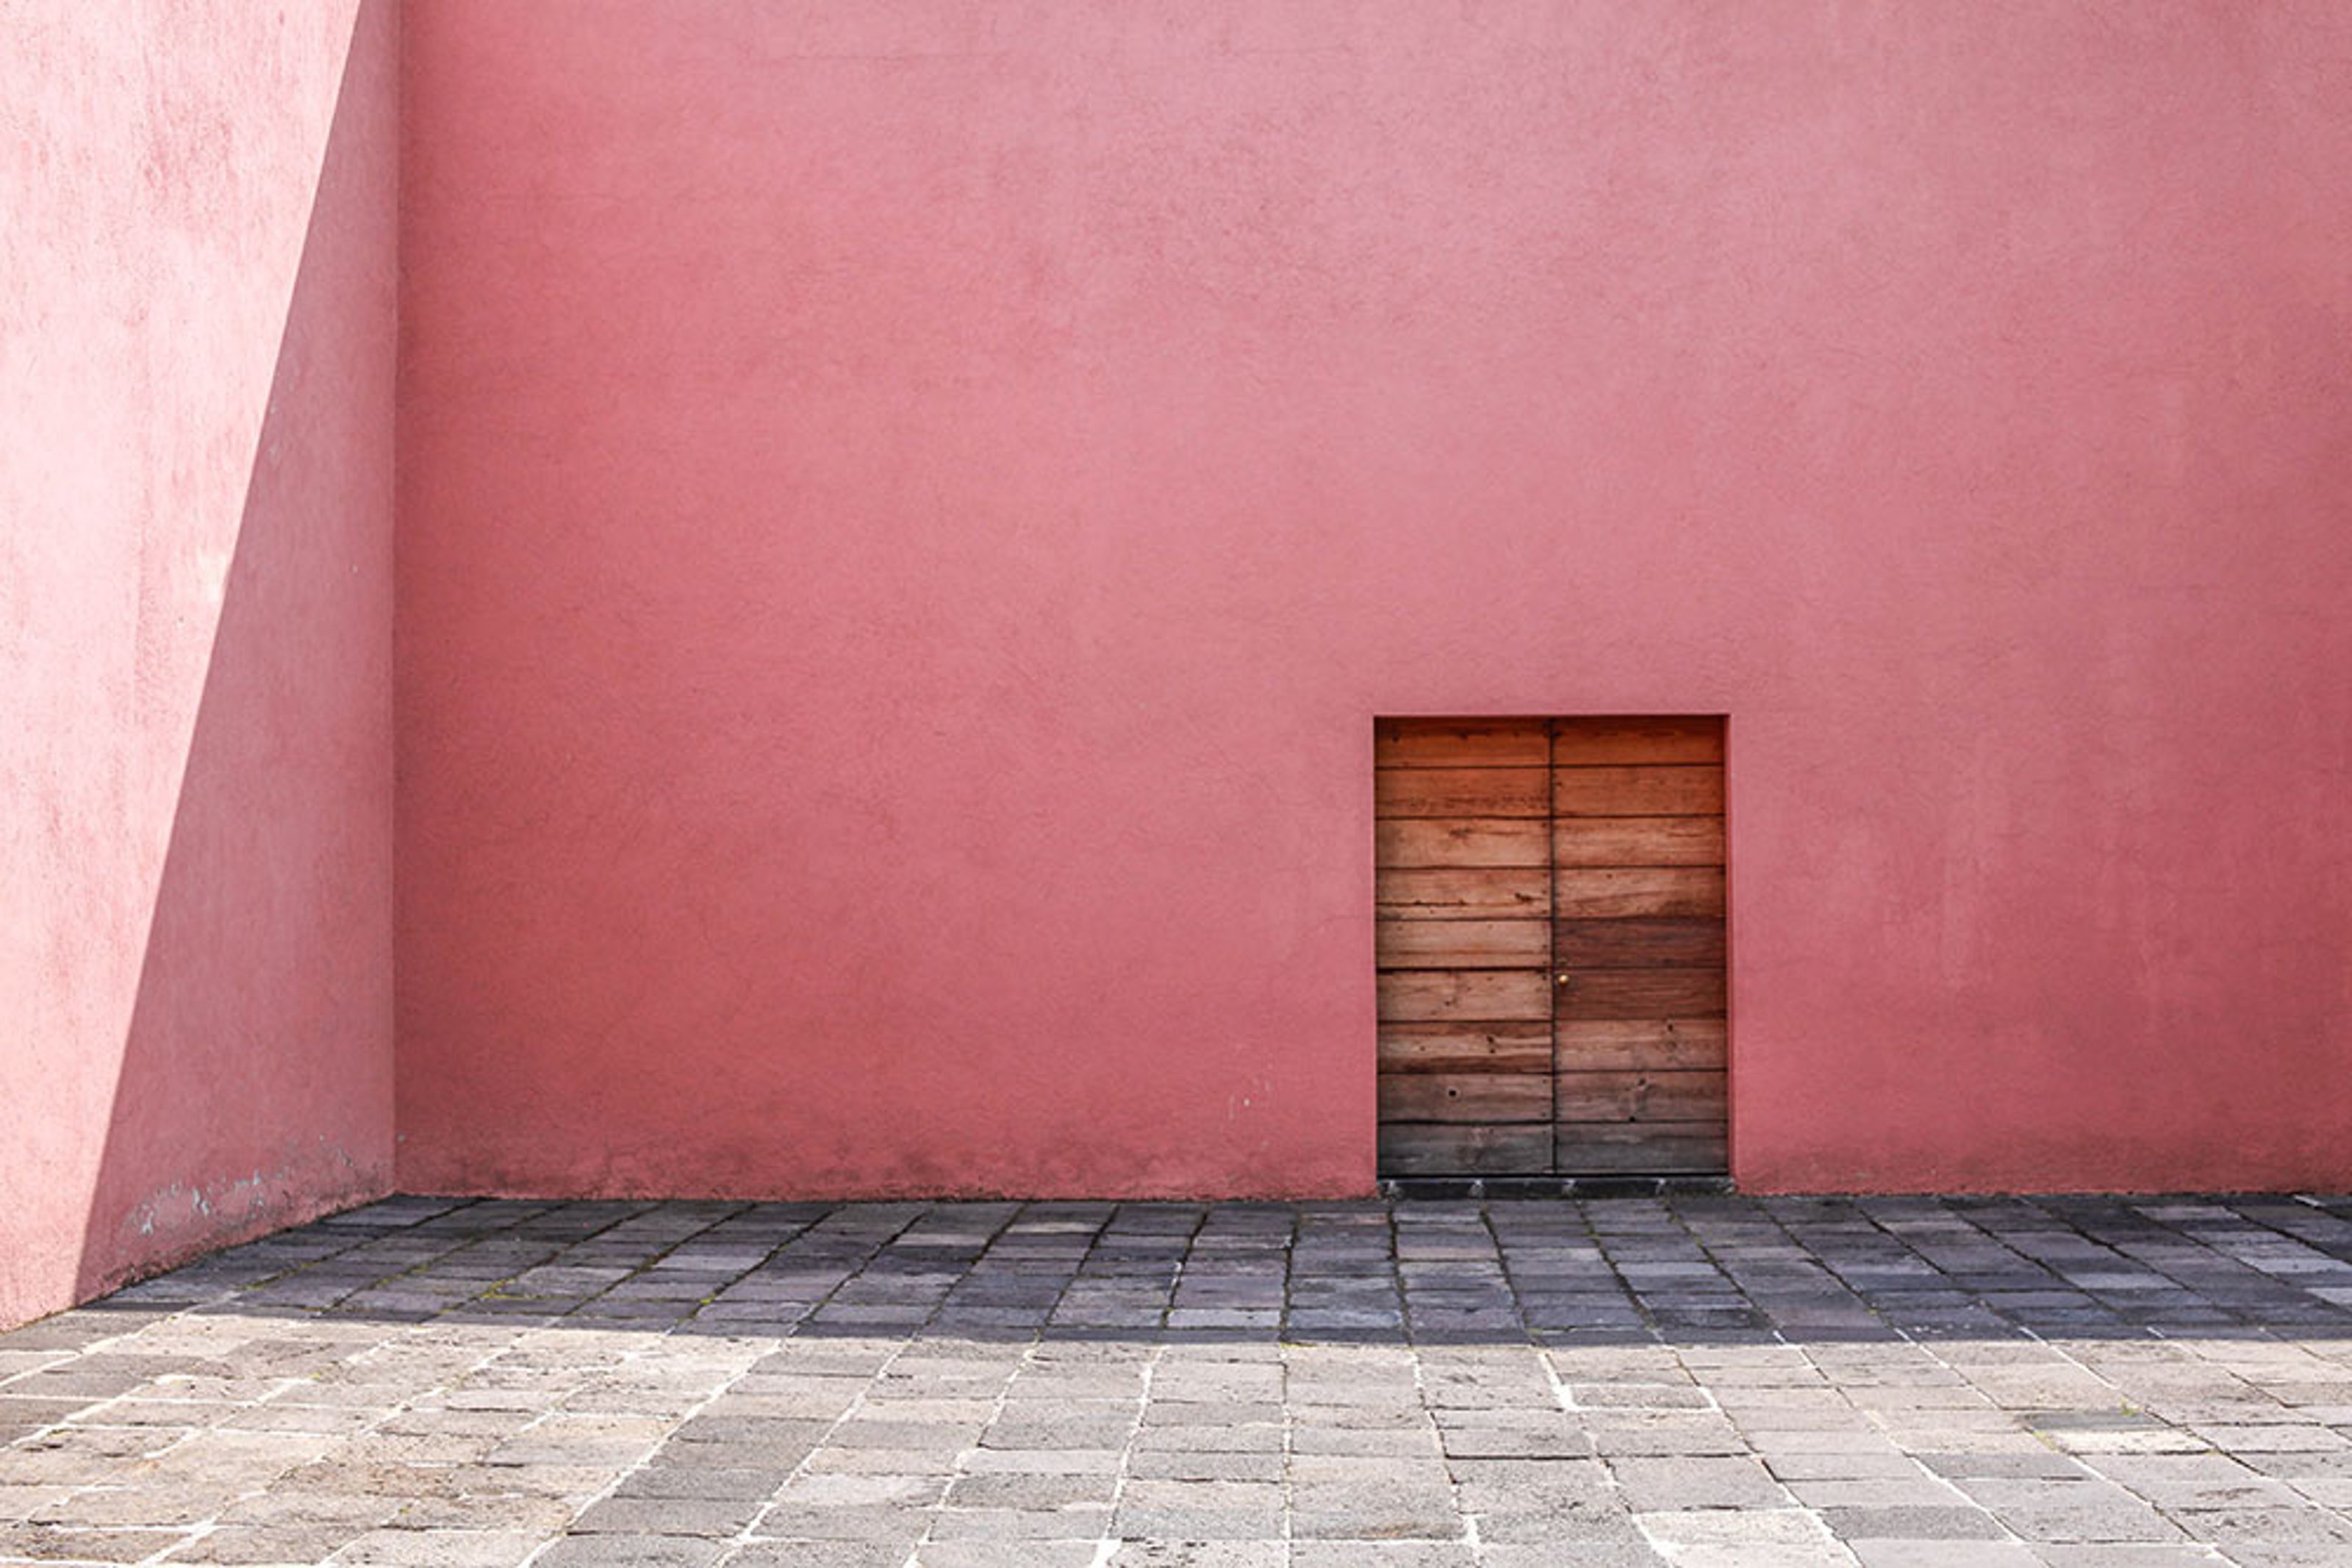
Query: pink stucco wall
(910,511)
(196,341)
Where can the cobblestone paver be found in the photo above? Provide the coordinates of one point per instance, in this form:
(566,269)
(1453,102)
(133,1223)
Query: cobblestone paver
(1711,1382)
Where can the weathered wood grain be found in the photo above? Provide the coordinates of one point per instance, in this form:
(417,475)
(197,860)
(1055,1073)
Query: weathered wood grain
(1481,1097)
(1462,743)
(1678,791)
(1599,892)
(1400,792)
(1637,840)
(1639,994)
(1411,1148)
(1651,1148)
(1410,996)
(1653,1044)
(1523,1047)
(1638,1096)
(1584,742)
(1462,944)
(1476,893)
(1457,843)
(1637,942)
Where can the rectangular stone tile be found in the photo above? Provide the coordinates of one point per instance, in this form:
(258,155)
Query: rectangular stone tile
(935,1464)
(640,1515)
(1838,1466)
(1914,1491)
(816,1554)
(1943,1554)
(1174,1553)
(1576,1524)
(19,1502)
(1669,1433)
(505,1511)
(2174,1481)
(1034,1491)
(572,1481)
(2033,1463)
(1266,1438)
(2146,1556)
(1043,1461)
(619,1550)
(1074,1523)
(2082,1511)
(1405,1443)
(2281,1436)
(270,1543)
(438,1548)
(1096,1431)
(1200,1510)
(1912,1521)
(848,1522)
(1658,1485)
(822,1489)
(2269,1525)
(1605,1554)
(1746,1537)
(688,1478)
(46,1542)
(1381,1555)
(1014,1554)
(1361,1511)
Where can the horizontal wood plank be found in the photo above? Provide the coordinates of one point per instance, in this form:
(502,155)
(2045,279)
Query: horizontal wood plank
(1462,743)
(1655,1044)
(1523,1047)
(1637,994)
(1461,792)
(1493,1097)
(1586,1148)
(1411,996)
(1637,840)
(1637,942)
(1678,791)
(1409,1149)
(1480,894)
(1586,742)
(1458,843)
(1462,944)
(1599,892)
(1639,1096)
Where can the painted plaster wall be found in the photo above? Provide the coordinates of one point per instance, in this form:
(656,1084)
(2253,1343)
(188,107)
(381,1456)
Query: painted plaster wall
(196,341)
(908,512)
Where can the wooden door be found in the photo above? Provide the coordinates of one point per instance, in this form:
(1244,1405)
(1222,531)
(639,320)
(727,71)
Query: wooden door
(1462,812)
(1638,946)
(1550,945)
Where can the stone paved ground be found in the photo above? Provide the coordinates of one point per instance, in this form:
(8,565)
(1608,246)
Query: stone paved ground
(1898,1383)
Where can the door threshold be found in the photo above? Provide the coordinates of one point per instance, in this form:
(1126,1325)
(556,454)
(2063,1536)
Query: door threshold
(1455,1190)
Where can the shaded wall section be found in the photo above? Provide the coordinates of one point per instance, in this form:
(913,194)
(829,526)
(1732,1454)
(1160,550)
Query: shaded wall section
(908,512)
(196,341)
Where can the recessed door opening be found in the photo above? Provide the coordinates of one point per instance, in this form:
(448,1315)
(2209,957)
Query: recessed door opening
(1551,946)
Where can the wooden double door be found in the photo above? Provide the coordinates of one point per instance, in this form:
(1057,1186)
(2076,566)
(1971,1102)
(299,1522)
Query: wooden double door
(1551,946)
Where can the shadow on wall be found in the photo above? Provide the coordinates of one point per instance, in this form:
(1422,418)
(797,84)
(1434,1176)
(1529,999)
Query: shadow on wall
(256,1083)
